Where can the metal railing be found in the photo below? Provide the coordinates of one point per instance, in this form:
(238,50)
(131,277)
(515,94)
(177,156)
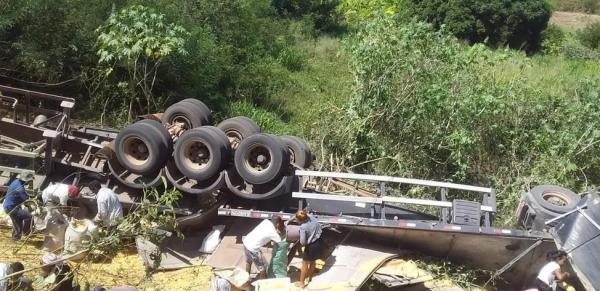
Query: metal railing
(488,201)
(24,106)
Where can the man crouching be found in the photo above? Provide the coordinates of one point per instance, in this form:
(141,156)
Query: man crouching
(262,234)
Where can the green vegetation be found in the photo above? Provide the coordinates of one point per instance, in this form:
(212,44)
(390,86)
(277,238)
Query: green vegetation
(134,42)
(587,6)
(516,23)
(371,86)
(590,35)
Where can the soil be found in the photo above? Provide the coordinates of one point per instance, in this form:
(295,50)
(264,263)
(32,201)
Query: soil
(573,20)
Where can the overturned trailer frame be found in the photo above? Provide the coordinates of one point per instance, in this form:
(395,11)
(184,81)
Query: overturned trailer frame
(462,232)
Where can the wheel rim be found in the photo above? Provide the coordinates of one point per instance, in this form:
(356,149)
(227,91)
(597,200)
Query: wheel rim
(235,137)
(556,198)
(196,155)
(257,159)
(136,151)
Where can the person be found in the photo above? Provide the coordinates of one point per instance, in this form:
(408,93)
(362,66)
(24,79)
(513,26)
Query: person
(262,234)
(16,195)
(310,238)
(110,210)
(55,275)
(3,273)
(551,272)
(59,194)
(18,282)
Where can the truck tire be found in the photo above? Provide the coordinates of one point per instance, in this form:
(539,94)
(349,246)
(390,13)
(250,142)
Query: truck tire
(164,133)
(300,154)
(140,148)
(220,135)
(206,113)
(187,113)
(555,198)
(261,159)
(237,129)
(270,191)
(200,153)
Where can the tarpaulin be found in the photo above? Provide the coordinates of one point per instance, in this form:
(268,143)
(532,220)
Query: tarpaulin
(579,235)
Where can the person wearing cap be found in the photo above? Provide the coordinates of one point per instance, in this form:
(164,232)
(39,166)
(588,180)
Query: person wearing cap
(310,238)
(59,194)
(110,210)
(262,234)
(16,195)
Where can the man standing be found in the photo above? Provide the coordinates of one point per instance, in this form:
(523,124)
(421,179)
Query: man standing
(59,194)
(16,195)
(110,210)
(262,234)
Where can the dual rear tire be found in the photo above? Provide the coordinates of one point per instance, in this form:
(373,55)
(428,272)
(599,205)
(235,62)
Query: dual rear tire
(143,147)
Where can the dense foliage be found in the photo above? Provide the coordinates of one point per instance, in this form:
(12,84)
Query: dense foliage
(516,23)
(423,105)
(234,50)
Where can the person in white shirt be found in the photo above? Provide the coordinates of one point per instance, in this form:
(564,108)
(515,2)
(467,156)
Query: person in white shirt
(262,234)
(551,272)
(110,211)
(58,194)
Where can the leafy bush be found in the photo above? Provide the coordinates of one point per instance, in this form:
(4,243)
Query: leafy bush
(136,40)
(552,39)
(590,35)
(516,23)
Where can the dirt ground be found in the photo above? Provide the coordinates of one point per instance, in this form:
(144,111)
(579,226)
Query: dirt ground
(573,20)
(124,269)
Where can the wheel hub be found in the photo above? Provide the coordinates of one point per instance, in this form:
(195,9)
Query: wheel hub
(257,159)
(136,151)
(197,155)
(556,198)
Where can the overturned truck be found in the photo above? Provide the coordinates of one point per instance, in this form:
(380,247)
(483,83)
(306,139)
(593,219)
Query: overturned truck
(234,171)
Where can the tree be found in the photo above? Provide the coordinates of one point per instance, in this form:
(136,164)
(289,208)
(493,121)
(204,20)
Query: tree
(136,40)
(516,23)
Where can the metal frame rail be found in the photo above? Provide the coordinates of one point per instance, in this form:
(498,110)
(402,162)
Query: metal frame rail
(50,136)
(488,203)
(388,223)
(66,103)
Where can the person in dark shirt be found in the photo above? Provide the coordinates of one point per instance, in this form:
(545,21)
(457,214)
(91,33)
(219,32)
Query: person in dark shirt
(18,282)
(15,196)
(310,238)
